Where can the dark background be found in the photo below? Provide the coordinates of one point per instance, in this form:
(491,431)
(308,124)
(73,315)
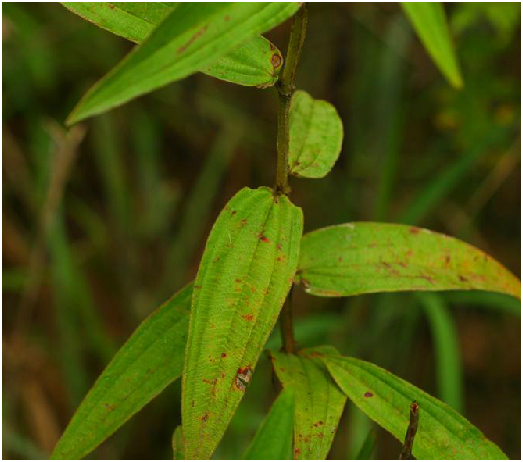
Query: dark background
(97,233)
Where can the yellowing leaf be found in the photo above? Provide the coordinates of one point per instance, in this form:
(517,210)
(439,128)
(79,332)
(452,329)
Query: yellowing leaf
(319,401)
(385,398)
(315,136)
(273,440)
(428,19)
(190,38)
(257,63)
(149,361)
(244,276)
(360,258)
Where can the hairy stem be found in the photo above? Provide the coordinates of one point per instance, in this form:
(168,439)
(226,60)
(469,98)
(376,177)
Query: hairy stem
(285,89)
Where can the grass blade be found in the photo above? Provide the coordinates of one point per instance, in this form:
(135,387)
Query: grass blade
(273,440)
(366,257)
(319,401)
(149,361)
(446,349)
(191,37)
(385,398)
(429,22)
(244,276)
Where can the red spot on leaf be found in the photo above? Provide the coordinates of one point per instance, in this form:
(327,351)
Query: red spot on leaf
(368,394)
(224,355)
(198,34)
(247,317)
(264,239)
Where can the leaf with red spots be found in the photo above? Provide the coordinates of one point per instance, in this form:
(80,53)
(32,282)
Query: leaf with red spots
(442,432)
(256,63)
(319,401)
(238,293)
(150,360)
(273,440)
(360,258)
(190,38)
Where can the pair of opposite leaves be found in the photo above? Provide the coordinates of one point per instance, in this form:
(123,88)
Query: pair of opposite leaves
(250,259)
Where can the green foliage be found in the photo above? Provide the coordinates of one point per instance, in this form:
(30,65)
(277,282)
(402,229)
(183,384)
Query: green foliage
(178,444)
(256,63)
(149,361)
(243,279)
(315,136)
(442,433)
(214,331)
(446,349)
(359,258)
(273,440)
(190,38)
(319,402)
(428,20)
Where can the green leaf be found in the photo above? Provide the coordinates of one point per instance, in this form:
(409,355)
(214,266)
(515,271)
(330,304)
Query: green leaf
(178,444)
(368,447)
(257,63)
(315,136)
(273,440)
(244,276)
(429,22)
(190,38)
(150,360)
(385,398)
(319,401)
(366,257)
(446,349)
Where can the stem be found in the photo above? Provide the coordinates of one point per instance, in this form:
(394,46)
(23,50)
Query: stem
(285,87)
(287,331)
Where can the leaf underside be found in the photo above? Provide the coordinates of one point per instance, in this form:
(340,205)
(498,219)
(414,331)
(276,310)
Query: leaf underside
(244,276)
(442,432)
(150,360)
(365,257)
(193,36)
(315,136)
(319,401)
(273,440)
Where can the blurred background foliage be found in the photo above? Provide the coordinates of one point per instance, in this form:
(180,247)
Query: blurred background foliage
(103,222)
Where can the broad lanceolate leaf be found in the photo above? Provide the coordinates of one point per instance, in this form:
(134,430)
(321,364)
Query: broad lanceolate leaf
(257,63)
(442,432)
(360,258)
(149,361)
(315,136)
(244,276)
(273,440)
(319,401)
(428,19)
(190,38)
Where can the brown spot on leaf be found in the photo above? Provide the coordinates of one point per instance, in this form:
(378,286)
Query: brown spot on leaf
(198,34)
(238,281)
(264,239)
(233,212)
(368,394)
(463,278)
(247,317)
(276,60)
(227,17)
(224,355)
(205,417)
(414,230)
(278,246)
